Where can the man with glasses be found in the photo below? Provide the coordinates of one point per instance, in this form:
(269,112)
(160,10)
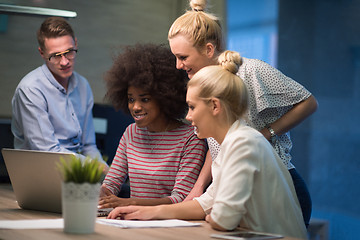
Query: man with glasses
(52,105)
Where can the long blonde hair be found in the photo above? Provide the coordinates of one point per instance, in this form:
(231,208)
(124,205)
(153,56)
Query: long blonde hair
(221,81)
(199,26)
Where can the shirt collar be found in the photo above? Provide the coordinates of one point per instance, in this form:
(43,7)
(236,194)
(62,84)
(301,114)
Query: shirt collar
(238,123)
(56,84)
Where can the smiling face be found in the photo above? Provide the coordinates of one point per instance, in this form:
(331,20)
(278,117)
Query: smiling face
(188,57)
(62,70)
(199,114)
(145,110)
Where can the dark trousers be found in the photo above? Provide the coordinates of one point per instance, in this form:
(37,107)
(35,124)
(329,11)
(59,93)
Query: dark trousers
(303,195)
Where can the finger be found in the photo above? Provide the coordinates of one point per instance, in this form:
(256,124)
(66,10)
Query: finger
(108,196)
(107,199)
(138,213)
(105,205)
(125,210)
(112,215)
(108,202)
(103,200)
(119,212)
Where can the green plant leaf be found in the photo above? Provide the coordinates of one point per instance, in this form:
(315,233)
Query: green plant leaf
(78,171)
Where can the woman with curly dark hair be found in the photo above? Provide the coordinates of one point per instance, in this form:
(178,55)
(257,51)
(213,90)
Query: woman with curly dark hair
(159,153)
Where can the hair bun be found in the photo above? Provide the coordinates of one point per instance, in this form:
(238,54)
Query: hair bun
(230,60)
(198,5)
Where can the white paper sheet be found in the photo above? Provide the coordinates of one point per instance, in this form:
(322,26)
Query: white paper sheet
(59,223)
(32,224)
(147,224)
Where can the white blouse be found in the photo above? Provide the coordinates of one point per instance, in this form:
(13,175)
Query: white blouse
(252,187)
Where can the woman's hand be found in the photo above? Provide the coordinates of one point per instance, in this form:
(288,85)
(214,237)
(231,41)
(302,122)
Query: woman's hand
(134,212)
(112,201)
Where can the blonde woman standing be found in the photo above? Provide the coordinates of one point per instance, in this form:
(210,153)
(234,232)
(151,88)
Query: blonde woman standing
(277,103)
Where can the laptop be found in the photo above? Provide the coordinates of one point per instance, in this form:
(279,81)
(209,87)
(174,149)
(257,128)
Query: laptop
(34,178)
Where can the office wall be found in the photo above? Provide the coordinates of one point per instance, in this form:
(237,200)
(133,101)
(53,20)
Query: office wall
(319,46)
(101,27)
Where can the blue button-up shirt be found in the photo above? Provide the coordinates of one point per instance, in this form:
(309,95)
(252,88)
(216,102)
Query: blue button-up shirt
(46,117)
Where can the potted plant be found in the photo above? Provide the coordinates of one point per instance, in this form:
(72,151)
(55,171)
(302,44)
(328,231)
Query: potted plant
(80,193)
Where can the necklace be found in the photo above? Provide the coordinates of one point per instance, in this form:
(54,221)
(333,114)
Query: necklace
(161,138)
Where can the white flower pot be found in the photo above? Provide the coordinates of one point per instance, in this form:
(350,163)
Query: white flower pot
(79,206)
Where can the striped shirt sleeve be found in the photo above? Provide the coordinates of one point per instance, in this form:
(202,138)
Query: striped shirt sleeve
(190,166)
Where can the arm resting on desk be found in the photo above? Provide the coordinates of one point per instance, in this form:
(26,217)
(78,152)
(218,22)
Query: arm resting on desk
(190,210)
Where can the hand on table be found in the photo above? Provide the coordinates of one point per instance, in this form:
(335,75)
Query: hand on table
(133,212)
(112,201)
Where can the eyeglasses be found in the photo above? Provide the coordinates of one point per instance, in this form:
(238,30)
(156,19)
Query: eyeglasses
(70,54)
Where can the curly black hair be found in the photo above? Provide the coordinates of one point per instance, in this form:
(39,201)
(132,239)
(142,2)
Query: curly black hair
(152,68)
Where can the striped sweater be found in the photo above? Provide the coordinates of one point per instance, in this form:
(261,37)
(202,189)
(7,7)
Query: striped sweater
(159,164)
